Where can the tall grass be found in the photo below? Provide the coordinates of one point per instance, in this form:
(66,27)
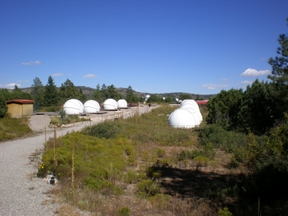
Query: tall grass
(12,128)
(113,159)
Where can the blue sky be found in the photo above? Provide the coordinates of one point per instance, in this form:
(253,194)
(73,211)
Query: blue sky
(155,46)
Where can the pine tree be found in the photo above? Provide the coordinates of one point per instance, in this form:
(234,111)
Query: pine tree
(3,106)
(37,92)
(68,91)
(97,93)
(51,93)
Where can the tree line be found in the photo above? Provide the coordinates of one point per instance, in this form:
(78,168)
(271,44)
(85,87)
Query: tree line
(252,125)
(51,97)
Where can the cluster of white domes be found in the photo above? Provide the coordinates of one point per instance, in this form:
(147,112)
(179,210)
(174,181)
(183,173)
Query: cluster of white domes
(187,116)
(76,107)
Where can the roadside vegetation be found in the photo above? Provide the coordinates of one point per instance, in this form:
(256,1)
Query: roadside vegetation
(13,128)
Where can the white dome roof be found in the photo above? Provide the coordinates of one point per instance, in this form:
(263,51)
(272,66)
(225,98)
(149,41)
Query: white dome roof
(91,106)
(122,103)
(110,104)
(182,118)
(73,107)
(189,102)
(190,106)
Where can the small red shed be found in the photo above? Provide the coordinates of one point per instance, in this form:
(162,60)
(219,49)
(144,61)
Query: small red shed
(18,108)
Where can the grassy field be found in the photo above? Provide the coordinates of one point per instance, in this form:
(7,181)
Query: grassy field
(140,166)
(11,128)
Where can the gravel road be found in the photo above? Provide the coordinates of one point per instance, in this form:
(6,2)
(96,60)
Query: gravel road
(21,192)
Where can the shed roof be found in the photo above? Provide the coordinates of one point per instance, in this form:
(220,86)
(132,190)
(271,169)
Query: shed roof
(20,101)
(202,102)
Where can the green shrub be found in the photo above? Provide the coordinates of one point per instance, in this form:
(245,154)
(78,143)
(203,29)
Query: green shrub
(107,129)
(220,138)
(160,153)
(131,177)
(224,212)
(201,161)
(125,211)
(148,187)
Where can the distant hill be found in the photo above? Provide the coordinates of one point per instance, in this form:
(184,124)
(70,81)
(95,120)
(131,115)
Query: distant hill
(89,92)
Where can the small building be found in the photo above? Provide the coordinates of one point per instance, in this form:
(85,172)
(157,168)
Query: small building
(18,108)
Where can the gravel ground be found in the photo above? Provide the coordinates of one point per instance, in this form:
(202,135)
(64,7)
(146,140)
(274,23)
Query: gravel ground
(21,192)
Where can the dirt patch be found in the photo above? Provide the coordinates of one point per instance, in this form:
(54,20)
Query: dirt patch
(38,123)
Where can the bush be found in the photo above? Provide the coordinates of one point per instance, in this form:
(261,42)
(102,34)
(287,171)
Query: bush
(125,211)
(131,177)
(148,188)
(224,212)
(107,129)
(220,138)
(201,161)
(160,153)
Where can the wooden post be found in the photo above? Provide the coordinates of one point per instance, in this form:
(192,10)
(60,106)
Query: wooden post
(55,137)
(45,133)
(72,168)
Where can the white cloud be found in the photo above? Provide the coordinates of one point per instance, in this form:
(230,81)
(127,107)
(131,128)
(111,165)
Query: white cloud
(254,72)
(37,62)
(12,85)
(23,81)
(57,74)
(214,86)
(225,79)
(90,76)
(246,82)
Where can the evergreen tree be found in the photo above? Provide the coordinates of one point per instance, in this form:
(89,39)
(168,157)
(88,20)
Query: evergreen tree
(130,96)
(279,78)
(82,96)
(256,109)
(112,92)
(104,93)
(68,91)
(185,96)
(224,107)
(97,93)
(37,92)
(16,93)
(51,93)
(153,98)
(3,106)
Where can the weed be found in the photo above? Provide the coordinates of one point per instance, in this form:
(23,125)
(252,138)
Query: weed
(160,153)
(147,187)
(125,211)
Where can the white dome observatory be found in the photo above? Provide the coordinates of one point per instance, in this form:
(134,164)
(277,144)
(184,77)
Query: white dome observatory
(73,107)
(187,116)
(122,103)
(182,118)
(110,104)
(91,106)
